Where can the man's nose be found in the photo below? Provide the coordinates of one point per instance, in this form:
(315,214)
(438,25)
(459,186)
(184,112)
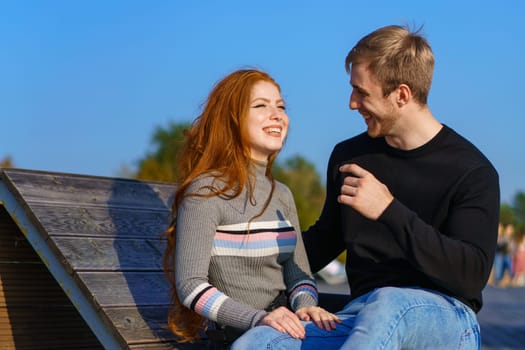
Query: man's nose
(354,102)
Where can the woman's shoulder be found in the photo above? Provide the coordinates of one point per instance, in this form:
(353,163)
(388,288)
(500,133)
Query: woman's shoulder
(204,183)
(283,193)
(282,188)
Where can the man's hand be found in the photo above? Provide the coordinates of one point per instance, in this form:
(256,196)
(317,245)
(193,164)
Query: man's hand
(363,192)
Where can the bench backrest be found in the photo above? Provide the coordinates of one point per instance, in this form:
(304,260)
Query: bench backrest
(101,239)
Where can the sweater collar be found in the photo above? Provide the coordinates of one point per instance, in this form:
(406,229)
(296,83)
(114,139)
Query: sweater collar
(259,167)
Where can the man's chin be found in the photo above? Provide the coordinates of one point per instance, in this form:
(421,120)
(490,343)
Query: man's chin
(373,133)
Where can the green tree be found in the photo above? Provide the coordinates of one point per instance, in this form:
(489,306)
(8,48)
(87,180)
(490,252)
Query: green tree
(161,163)
(514,213)
(6,162)
(506,215)
(519,208)
(305,183)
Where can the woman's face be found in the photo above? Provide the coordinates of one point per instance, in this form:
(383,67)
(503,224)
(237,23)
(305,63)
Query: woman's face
(267,122)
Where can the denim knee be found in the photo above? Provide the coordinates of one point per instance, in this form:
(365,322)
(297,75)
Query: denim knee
(265,337)
(394,318)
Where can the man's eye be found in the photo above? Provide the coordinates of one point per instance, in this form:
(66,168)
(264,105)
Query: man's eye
(282,107)
(359,91)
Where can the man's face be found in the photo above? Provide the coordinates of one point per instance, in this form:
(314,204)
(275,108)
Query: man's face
(380,113)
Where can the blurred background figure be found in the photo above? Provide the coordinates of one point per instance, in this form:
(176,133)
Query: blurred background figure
(518,261)
(334,273)
(503,258)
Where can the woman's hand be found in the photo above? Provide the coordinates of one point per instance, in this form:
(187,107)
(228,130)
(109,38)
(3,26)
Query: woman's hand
(322,318)
(284,321)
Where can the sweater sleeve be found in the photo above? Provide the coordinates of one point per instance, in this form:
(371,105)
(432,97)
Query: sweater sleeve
(458,255)
(301,285)
(197,219)
(323,240)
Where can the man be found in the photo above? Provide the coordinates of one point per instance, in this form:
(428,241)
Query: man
(415,205)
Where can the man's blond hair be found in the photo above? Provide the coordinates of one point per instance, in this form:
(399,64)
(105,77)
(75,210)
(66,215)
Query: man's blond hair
(396,55)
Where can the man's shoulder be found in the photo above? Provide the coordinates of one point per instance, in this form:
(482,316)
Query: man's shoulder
(359,138)
(361,141)
(461,147)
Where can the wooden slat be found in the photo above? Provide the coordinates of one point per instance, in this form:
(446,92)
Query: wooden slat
(14,248)
(46,187)
(127,289)
(107,233)
(102,254)
(29,285)
(144,325)
(35,313)
(36,341)
(144,328)
(77,220)
(170,346)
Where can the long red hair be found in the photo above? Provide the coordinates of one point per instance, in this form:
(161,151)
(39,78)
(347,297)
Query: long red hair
(217,143)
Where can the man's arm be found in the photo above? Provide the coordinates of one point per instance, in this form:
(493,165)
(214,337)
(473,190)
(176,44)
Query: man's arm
(323,241)
(457,256)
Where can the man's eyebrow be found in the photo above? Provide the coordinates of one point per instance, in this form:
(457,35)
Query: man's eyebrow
(357,87)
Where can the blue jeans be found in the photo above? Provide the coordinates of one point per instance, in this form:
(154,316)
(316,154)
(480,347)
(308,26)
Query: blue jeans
(502,262)
(386,318)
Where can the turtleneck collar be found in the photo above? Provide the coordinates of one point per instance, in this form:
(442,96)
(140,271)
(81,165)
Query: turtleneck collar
(259,166)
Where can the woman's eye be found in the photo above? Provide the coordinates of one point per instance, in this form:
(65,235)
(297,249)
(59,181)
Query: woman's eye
(282,107)
(259,106)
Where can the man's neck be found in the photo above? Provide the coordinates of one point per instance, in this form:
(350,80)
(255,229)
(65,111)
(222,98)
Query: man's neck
(414,130)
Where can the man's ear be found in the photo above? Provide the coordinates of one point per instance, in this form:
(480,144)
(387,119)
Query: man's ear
(404,95)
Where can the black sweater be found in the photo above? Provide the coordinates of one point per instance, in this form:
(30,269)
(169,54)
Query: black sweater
(439,232)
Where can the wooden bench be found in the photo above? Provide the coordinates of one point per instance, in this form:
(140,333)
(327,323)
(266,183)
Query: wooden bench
(81,262)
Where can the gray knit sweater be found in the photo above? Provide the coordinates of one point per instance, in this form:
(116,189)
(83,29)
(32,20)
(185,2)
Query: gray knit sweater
(229,269)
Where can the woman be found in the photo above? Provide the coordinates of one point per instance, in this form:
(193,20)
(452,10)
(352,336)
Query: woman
(235,241)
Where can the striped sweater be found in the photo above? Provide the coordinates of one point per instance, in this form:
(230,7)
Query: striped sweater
(229,269)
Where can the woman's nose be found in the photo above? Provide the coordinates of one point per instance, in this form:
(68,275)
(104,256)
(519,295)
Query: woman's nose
(276,113)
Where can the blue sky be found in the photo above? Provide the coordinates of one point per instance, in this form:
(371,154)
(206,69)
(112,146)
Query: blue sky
(84,84)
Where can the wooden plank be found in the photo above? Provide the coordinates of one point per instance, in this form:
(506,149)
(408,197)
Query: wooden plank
(36,340)
(146,329)
(144,325)
(169,346)
(103,254)
(76,220)
(16,251)
(107,234)
(76,291)
(111,289)
(47,187)
(29,285)
(35,313)
(14,248)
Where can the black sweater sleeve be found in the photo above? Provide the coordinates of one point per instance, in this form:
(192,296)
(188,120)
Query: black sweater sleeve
(324,240)
(458,255)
